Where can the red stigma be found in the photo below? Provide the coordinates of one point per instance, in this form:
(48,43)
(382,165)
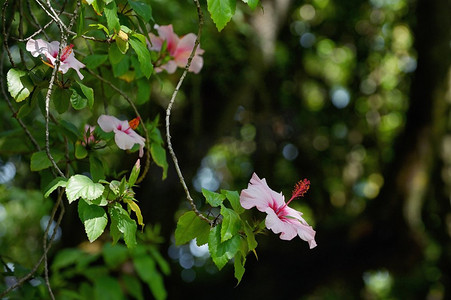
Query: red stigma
(66,52)
(134,123)
(300,189)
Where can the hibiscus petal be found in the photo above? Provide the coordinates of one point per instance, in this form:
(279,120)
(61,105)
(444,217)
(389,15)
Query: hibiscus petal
(123,140)
(166,32)
(72,62)
(156,42)
(278,226)
(108,123)
(170,67)
(259,194)
(37,47)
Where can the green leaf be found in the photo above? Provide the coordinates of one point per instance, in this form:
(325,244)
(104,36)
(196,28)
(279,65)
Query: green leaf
(81,21)
(111,17)
(122,45)
(231,223)
(82,186)
(122,67)
(94,60)
(146,268)
(221,253)
(162,263)
(54,184)
(134,206)
(234,199)
(94,219)
(123,223)
(19,85)
(66,257)
(77,101)
(143,55)
(96,168)
(60,98)
(88,92)
(250,237)
(214,199)
(221,11)
(190,226)
(252,3)
(114,54)
(106,288)
(159,157)
(40,161)
(143,95)
(69,130)
(238,264)
(133,286)
(134,173)
(80,151)
(143,10)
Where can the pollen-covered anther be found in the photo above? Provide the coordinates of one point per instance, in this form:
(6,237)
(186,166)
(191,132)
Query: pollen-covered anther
(300,189)
(66,52)
(134,123)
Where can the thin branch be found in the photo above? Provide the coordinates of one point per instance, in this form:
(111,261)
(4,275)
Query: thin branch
(5,35)
(35,20)
(146,133)
(168,115)
(22,59)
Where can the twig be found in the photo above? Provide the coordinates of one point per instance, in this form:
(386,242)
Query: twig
(168,115)
(5,35)
(146,133)
(35,20)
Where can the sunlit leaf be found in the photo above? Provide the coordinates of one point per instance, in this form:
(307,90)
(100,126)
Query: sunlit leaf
(221,11)
(122,222)
(19,85)
(234,199)
(221,253)
(214,199)
(111,17)
(94,219)
(82,186)
(230,223)
(134,206)
(88,92)
(78,102)
(54,184)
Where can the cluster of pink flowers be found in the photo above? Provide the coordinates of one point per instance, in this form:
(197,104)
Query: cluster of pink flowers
(179,49)
(280,218)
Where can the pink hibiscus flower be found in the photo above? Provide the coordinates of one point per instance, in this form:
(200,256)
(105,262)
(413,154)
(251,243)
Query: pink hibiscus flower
(179,49)
(124,135)
(281,218)
(50,51)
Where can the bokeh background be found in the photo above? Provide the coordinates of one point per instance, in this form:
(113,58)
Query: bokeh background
(353,95)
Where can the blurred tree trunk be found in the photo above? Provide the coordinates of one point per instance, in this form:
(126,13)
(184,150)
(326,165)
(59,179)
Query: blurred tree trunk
(413,180)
